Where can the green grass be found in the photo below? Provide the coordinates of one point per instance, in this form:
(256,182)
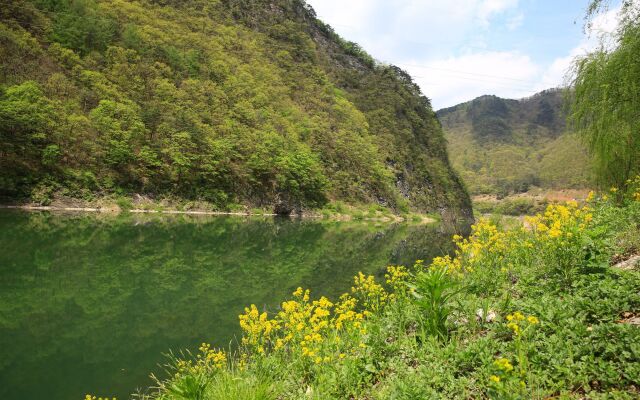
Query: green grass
(124,203)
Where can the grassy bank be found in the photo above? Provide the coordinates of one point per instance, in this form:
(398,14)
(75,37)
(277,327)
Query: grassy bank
(531,313)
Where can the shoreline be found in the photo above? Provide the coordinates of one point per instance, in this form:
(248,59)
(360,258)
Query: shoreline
(136,211)
(116,211)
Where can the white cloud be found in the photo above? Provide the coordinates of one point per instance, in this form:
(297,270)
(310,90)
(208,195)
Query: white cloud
(602,28)
(351,14)
(488,8)
(391,30)
(515,22)
(450,81)
(606,23)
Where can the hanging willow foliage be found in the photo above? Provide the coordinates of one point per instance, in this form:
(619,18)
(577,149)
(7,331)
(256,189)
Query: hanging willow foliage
(606,106)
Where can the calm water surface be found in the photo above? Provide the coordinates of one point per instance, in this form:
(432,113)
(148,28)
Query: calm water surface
(89,303)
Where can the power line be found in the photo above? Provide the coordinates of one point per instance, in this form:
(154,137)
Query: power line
(452,70)
(493,83)
(463,72)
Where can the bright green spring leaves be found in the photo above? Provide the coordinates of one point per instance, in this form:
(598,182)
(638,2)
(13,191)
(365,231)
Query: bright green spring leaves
(227,102)
(136,106)
(26,117)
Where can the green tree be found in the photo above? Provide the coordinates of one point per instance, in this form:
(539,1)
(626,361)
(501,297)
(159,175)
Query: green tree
(300,179)
(26,118)
(606,101)
(79,26)
(122,132)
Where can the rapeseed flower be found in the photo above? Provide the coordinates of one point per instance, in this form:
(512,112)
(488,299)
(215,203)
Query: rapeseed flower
(503,364)
(396,276)
(514,327)
(369,292)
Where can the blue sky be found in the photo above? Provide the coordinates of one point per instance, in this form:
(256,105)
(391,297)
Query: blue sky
(457,50)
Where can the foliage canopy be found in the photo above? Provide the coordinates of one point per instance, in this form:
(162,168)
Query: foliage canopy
(606,101)
(252,102)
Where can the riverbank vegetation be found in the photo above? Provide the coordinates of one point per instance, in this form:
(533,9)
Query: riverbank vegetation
(529,313)
(507,206)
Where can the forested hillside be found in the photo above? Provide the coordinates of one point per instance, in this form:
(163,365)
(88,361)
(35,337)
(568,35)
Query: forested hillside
(234,102)
(502,146)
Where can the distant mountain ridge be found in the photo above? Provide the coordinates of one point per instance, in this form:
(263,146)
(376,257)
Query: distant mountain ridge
(501,146)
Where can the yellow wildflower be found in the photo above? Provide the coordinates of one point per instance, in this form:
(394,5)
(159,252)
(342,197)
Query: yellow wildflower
(555,232)
(371,293)
(396,276)
(514,327)
(257,327)
(503,364)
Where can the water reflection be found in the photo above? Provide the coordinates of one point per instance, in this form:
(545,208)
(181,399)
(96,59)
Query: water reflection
(88,303)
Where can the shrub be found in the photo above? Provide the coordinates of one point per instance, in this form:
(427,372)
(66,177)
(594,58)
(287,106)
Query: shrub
(124,203)
(42,194)
(433,291)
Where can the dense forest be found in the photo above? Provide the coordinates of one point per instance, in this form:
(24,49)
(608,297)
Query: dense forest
(503,146)
(254,103)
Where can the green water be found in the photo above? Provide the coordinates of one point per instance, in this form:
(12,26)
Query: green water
(89,303)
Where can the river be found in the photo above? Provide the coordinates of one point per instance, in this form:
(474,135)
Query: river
(89,303)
